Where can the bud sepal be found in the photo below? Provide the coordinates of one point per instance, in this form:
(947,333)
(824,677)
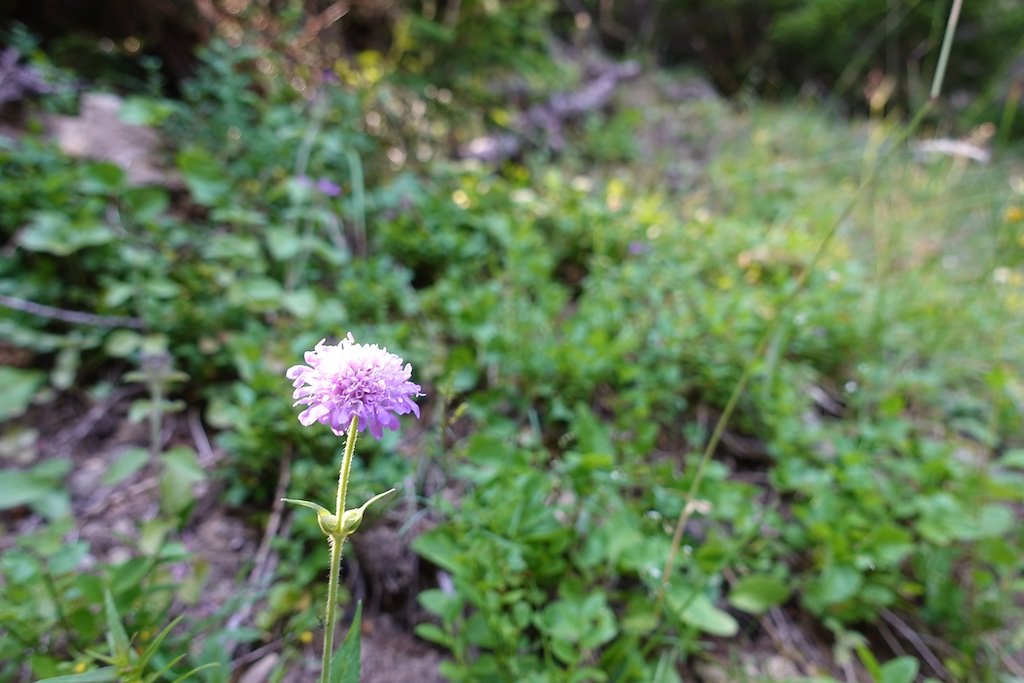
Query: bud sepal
(351,520)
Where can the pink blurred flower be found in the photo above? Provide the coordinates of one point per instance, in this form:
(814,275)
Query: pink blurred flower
(328,187)
(339,382)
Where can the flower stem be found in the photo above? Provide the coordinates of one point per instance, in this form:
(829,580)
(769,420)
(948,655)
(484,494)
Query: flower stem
(346,465)
(337,540)
(332,600)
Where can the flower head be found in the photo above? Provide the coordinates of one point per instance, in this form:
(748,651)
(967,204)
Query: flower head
(328,187)
(350,379)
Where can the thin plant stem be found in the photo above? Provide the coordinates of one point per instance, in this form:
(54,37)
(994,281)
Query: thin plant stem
(336,540)
(762,344)
(947,45)
(346,466)
(156,418)
(748,370)
(332,600)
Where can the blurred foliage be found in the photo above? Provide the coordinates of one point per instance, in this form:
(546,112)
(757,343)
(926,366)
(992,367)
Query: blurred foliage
(840,46)
(577,324)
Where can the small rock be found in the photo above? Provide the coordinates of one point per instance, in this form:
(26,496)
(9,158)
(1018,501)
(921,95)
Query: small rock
(709,672)
(260,671)
(99,133)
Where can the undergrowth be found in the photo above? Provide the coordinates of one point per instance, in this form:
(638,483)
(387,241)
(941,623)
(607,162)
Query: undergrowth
(581,332)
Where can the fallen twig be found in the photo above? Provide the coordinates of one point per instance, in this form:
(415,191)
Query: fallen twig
(202,441)
(953,148)
(258,653)
(74,317)
(73,434)
(548,119)
(918,644)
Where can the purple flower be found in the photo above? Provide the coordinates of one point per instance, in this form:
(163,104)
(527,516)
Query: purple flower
(339,382)
(637,248)
(329,188)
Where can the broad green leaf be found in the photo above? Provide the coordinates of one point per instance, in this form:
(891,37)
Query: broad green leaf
(284,243)
(434,634)
(24,487)
(19,387)
(439,549)
(65,368)
(444,605)
(181,473)
(758,593)
(127,464)
(144,111)
(835,584)
(992,520)
(899,670)
(345,665)
(698,611)
(1013,458)
(145,204)
(101,177)
(206,179)
(300,303)
(54,233)
(889,544)
(122,343)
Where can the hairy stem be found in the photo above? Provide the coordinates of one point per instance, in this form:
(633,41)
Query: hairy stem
(337,540)
(346,466)
(332,601)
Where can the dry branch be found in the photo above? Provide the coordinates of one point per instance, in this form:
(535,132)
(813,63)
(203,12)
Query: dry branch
(547,120)
(74,317)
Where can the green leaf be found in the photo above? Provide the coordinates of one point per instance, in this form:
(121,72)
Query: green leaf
(992,520)
(444,605)
(144,111)
(205,178)
(888,545)
(899,670)
(263,290)
(434,634)
(300,303)
(758,593)
(127,464)
(181,473)
(439,549)
(122,343)
(145,204)
(19,388)
(1013,458)
(101,177)
(836,584)
(117,638)
(65,368)
(153,534)
(697,610)
(189,675)
(154,646)
(284,243)
(54,233)
(25,487)
(104,675)
(345,665)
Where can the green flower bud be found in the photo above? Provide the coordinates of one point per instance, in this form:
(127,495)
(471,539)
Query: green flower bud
(328,523)
(351,520)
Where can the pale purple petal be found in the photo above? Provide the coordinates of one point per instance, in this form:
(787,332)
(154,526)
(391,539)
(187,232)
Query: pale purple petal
(340,381)
(328,187)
